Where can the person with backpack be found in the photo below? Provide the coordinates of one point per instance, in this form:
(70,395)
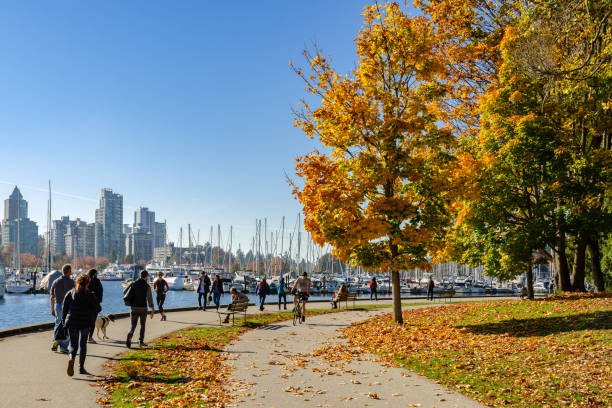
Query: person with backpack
(95,287)
(263,289)
(217,290)
(78,307)
(203,289)
(57,293)
(373,288)
(161,288)
(137,296)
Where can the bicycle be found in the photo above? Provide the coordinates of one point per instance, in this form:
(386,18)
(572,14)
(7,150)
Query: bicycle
(297,310)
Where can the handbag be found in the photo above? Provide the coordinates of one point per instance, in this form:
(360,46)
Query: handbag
(209,298)
(59,334)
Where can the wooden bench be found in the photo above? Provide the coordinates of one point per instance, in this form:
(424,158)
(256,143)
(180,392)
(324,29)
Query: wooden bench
(233,309)
(347,297)
(444,294)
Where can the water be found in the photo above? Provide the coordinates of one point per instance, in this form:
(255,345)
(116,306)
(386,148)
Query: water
(19,310)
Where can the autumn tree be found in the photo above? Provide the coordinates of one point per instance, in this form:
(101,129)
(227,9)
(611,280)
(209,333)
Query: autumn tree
(101,262)
(379,191)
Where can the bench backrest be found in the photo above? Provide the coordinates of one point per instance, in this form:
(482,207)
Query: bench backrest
(239,307)
(351,296)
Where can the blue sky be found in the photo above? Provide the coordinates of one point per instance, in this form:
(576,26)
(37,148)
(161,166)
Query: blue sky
(183,106)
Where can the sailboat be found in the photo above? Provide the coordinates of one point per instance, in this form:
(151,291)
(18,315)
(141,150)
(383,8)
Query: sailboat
(2,281)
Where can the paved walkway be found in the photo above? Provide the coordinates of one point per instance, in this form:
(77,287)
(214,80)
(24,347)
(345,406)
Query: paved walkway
(31,375)
(274,367)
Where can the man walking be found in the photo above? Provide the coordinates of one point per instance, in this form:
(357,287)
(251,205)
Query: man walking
(263,289)
(139,296)
(57,293)
(203,289)
(430,288)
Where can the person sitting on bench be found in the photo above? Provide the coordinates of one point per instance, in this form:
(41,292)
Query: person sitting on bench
(343,290)
(237,297)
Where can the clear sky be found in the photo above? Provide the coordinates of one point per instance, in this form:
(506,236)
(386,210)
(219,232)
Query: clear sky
(181,106)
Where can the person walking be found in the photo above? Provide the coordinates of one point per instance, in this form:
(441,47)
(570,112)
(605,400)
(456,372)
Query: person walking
(203,289)
(373,288)
(161,288)
(263,289)
(217,291)
(78,307)
(139,296)
(58,291)
(430,288)
(95,286)
(237,297)
(282,292)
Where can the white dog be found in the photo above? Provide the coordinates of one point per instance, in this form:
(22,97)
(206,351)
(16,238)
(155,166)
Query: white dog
(102,323)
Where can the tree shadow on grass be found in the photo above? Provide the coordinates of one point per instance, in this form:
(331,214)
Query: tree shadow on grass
(149,379)
(543,326)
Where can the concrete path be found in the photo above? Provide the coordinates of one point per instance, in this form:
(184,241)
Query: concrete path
(31,375)
(274,367)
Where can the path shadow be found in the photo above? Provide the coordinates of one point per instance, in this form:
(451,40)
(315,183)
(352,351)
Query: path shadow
(272,327)
(543,326)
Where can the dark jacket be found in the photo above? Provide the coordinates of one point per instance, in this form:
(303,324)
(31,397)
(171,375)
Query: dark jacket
(217,287)
(95,286)
(263,289)
(142,295)
(430,286)
(78,308)
(206,283)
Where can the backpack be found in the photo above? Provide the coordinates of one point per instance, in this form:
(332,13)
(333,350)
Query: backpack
(262,288)
(128,295)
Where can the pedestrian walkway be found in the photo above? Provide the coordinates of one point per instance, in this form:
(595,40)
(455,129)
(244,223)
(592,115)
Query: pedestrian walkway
(274,367)
(31,375)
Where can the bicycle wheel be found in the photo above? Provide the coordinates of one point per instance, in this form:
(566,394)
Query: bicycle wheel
(296,315)
(300,310)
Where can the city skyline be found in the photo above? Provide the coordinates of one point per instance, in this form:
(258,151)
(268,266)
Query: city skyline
(179,112)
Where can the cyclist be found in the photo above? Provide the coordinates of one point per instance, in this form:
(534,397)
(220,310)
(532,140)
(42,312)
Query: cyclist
(301,291)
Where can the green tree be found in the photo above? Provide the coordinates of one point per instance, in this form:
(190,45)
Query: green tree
(129,259)
(112,256)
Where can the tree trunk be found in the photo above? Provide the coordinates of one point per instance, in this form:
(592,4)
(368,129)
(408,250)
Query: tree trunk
(530,294)
(397,300)
(562,276)
(579,264)
(598,278)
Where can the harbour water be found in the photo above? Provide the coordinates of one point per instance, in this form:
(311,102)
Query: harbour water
(19,310)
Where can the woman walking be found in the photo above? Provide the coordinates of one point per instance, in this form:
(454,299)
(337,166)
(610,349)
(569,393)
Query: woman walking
(263,289)
(79,305)
(217,290)
(373,288)
(95,287)
(282,292)
(161,288)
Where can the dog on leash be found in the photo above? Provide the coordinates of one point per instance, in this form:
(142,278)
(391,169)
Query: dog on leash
(102,323)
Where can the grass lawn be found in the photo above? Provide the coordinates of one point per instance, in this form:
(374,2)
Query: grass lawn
(544,353)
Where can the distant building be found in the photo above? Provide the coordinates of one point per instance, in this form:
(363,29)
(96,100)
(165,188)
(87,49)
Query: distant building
(163,254)
(159,235)
(127,229)
(16,217)
(108,228)
(58,231)
(139,244)
(79,239)
(144,220)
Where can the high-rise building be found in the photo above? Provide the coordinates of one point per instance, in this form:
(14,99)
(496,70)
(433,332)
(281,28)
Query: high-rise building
(58,231)
(16,218)
(139,244)
(15,206)
(108,228)
(144,220)
(159,234)
(79,239)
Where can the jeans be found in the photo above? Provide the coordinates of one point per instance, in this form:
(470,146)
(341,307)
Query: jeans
(200,296)
(262,300)
(430,295)
(160,303)
(373,293)
(217,299)
(135,315)
(284,297)
(58,320)
(92,328)
(78,345)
